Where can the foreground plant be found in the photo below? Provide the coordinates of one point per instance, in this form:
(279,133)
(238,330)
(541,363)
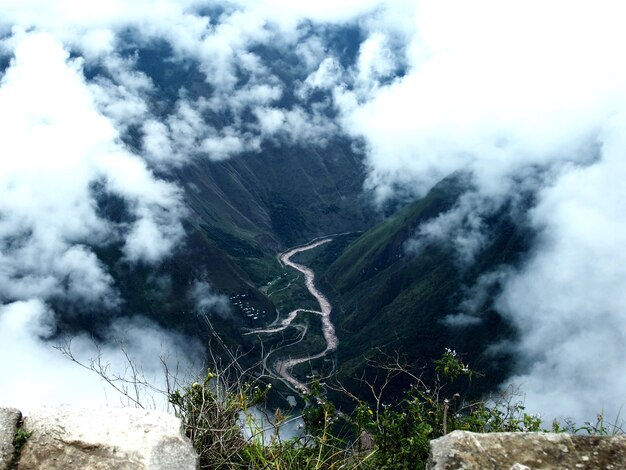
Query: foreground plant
(211,412)
(401,430)
(377,434)
(382,431)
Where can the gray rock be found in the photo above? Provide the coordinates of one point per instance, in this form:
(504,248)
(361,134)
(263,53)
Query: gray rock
(106,438)
(9,417)
(526,451)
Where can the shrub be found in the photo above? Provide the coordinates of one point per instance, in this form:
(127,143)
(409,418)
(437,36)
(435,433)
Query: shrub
(400,431)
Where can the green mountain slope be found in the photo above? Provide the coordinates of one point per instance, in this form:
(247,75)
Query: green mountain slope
(256,205)
(243,210)
(278,197)
(391,299)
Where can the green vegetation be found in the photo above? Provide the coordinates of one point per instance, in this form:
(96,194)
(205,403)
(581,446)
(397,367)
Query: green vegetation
(19,441)
(377,434)
(279,197)
(390,298)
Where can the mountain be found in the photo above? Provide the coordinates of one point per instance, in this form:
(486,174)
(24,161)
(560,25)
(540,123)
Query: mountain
(264,202)
(242,211)
(249,191)
(277,192)
(391,299)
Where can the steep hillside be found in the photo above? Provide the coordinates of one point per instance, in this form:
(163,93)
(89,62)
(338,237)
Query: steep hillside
(283,192)
(242,210)
(278,197)
(393,299)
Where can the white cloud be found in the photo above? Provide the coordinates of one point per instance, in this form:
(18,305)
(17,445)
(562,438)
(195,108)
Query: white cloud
(221,147)
(502,89)
(91,27)
(327,75)
(44,175)
(56,146)
(123,99)
(296,124)
(311,52)
(483,93)
(186,126)
(375,60)
(568,299)
(156,204)
(208,302)
(522,95)
(221,44)
(271,120)
(227,143)
(35,374)
(157,143)
(462,228)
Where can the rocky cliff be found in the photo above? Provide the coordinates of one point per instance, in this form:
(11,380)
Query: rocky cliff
(461,450)
(129,439)
(92,439)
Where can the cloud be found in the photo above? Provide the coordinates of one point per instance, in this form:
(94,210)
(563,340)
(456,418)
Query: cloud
(463,228)
(36,375)
(476,297)
(328,74)
(157,144)
(297,125)
(124,97)
(470,100)
(44,177)
(207,301)
(568,299)
(57,148)
(225,42)
(223,145)
(527,98)
(375,60)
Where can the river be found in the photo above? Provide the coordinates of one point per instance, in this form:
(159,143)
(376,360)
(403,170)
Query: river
(284,366)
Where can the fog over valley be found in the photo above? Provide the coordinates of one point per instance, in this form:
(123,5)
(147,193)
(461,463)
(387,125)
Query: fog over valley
(157,156)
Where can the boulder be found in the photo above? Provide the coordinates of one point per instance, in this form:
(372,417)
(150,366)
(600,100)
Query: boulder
(526,451)
(9,418)
(105,438)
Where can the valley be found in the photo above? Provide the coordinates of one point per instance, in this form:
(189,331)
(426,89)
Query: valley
(286,257)
(384,298)
(301,193)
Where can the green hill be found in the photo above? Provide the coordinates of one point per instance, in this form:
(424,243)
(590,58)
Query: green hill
(392,299)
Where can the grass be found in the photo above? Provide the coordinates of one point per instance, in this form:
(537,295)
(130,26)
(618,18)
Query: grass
(19,441)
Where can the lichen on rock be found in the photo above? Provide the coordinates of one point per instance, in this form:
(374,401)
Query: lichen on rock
(9,420)
(462,450)
(105,438)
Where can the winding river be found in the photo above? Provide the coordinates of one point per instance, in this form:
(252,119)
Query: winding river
(283,366)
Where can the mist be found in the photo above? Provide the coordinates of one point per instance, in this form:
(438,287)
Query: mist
(56,146)
(71,95)
(135,352)
(526,98)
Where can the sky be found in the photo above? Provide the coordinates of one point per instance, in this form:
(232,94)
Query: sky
(527,97)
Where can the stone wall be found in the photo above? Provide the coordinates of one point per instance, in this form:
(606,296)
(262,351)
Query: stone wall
(9,419)
(461,450)
(105,438)
(127,438)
